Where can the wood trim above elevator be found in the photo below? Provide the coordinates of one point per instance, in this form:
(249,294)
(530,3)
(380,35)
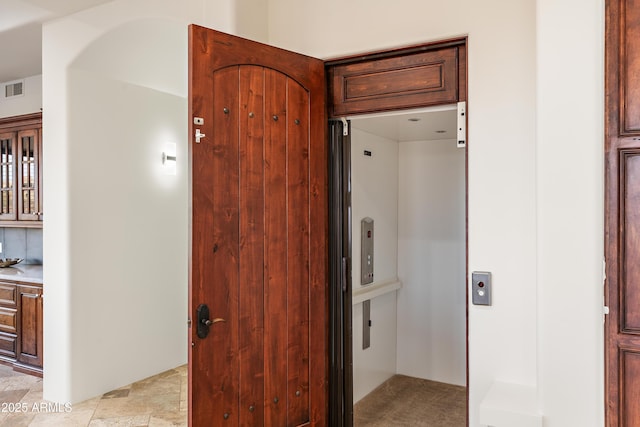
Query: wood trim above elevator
(411,77)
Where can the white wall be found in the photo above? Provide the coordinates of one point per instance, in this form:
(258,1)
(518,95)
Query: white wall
(570,211)
(114,93)
(374,194)
(512,341)
(431,261)
(131,263)
(30,102)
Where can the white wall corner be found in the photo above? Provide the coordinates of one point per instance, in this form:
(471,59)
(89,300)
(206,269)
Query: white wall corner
(508,405)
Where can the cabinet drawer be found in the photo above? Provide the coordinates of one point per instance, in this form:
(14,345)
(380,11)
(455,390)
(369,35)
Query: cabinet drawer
(7,345)
(8,320)
(7,295)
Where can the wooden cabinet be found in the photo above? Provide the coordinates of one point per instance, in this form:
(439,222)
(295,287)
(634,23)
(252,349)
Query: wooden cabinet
(21,337)
(413,77)
(21,171)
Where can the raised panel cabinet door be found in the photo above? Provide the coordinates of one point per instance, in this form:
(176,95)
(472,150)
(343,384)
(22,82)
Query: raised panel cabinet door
(30,337)
(622,216)
(259,354)
(405,78)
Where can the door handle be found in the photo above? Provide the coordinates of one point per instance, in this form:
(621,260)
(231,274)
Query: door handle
(203,324)
(211,322)
(199,135)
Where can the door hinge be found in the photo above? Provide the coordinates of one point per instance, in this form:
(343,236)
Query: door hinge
(606,310)
(345,126)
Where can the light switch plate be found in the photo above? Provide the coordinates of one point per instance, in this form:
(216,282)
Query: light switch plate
(481,288)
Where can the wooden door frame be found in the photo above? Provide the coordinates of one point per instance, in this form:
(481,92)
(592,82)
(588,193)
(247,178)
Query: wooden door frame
(338,235)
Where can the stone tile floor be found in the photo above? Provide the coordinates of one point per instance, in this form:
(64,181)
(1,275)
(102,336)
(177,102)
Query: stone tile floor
(404,401)
(157,401)
(161,401)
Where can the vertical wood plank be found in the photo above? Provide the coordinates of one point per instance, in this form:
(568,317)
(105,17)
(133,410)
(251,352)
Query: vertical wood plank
(298,253)
(275,265)
(251,350)
(318,242)
(216,243)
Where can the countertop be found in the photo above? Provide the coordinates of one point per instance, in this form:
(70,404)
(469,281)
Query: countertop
(28,273)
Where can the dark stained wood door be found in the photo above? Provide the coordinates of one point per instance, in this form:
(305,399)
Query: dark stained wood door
(258,255)
(623,212)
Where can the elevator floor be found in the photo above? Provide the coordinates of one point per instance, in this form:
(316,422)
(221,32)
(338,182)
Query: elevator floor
(407,401)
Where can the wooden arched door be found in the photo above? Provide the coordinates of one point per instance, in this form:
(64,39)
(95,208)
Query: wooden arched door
(258,276)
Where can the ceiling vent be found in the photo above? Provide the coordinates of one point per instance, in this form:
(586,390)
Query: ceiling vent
(14,89)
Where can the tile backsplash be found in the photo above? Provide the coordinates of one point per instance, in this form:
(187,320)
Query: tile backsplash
(25,243)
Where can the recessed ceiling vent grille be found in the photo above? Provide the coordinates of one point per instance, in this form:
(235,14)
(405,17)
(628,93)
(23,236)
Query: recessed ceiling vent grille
(14,89)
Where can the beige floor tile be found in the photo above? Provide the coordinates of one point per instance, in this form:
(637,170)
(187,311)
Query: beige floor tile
(129,421)
(87,404)
(8,397)
(22,381)
(33,396)
(113,408)
(168,419)
(17,420)
(75,418)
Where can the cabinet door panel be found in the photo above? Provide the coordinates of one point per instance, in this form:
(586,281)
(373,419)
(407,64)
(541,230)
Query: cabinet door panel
(30,332)
(408,81)
(8,199)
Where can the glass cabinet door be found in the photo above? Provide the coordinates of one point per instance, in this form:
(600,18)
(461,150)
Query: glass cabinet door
(8,200)
(28,175)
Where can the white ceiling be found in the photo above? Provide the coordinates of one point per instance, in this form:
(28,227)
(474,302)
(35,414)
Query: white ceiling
(21,32)
(397,126)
